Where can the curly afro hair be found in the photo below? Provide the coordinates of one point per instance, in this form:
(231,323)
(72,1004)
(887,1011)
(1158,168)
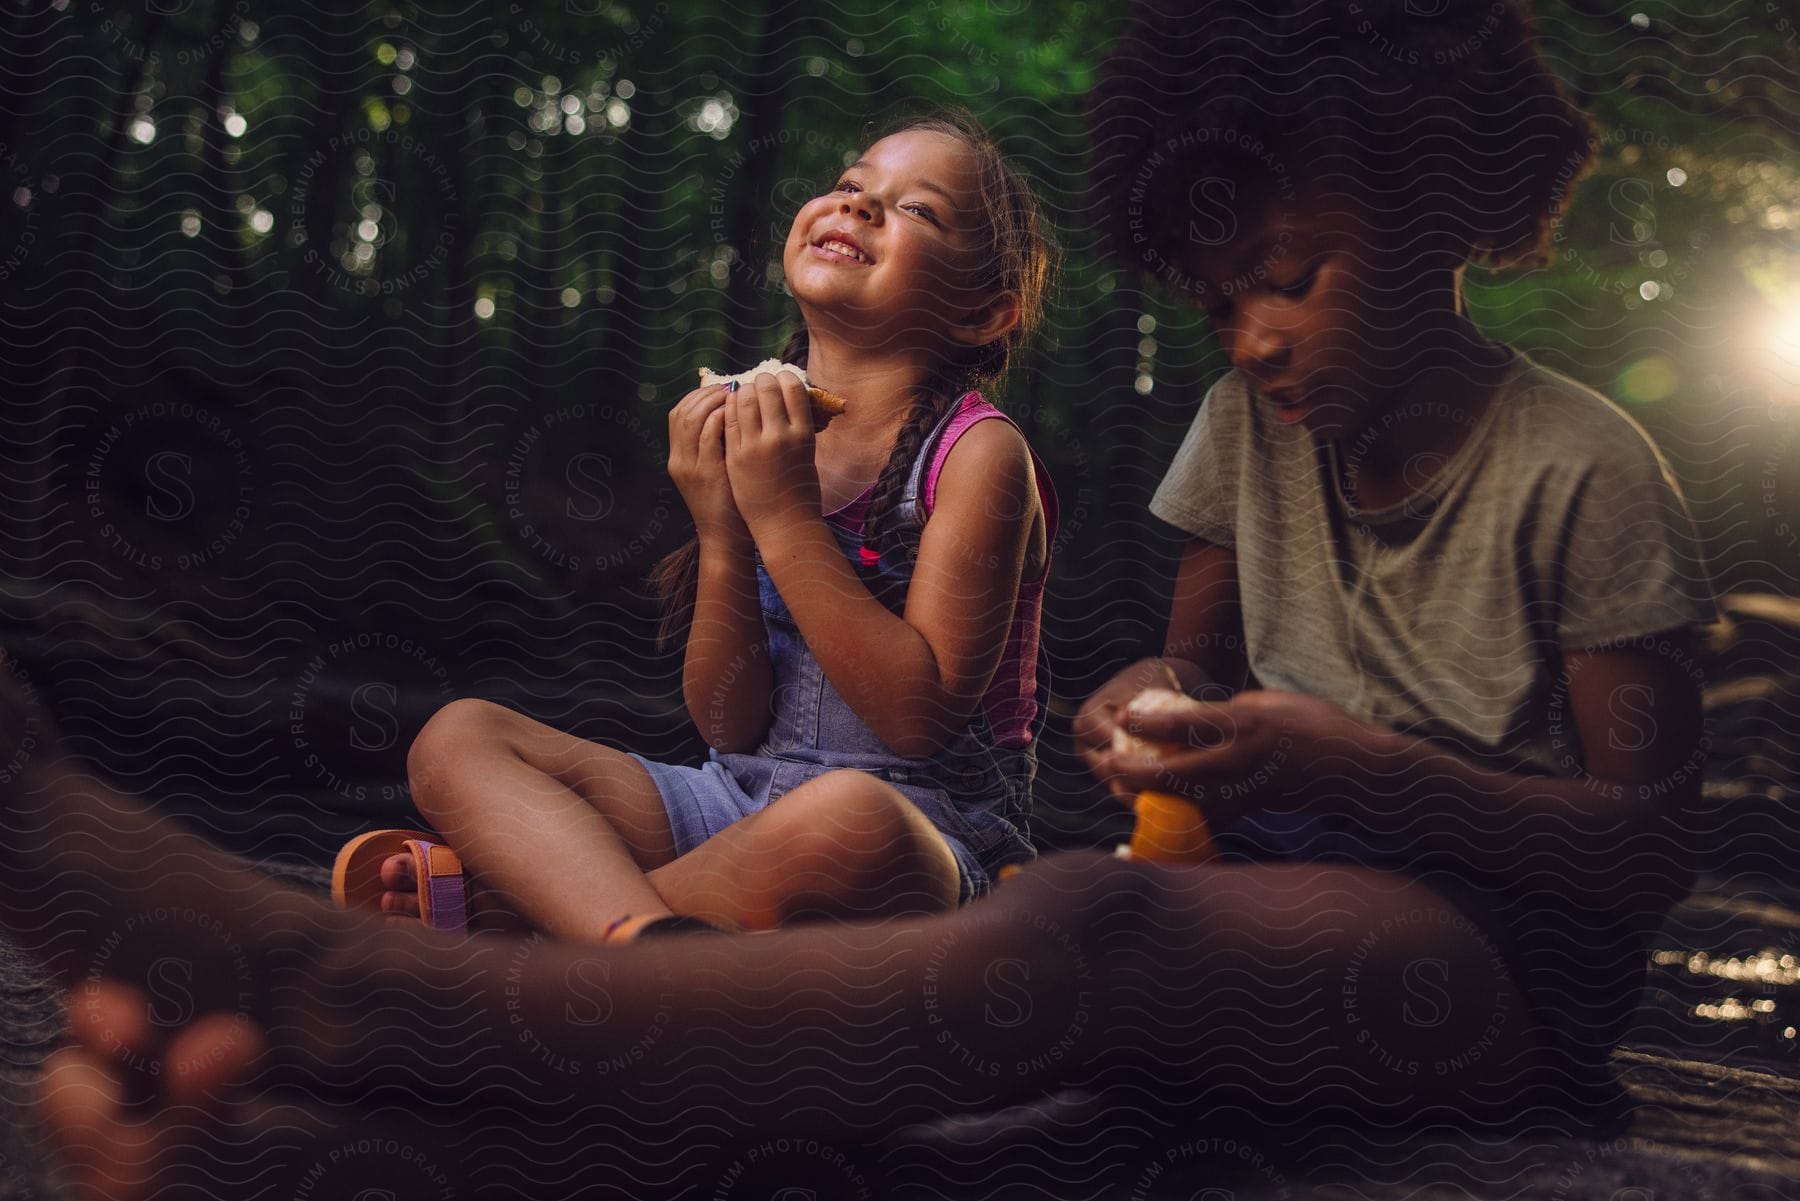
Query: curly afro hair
(1424,111)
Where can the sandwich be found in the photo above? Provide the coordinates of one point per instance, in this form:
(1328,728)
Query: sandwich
(825,406)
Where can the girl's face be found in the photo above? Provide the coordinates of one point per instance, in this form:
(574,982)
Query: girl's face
(893,248)
(1325,314)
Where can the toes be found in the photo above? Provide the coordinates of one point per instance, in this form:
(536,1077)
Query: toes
(212,1053)
(112,1145)
(82,1102)
(111,1019)
(400,904)
(397,872)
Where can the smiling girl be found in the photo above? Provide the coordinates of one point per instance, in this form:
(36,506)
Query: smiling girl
(861,604)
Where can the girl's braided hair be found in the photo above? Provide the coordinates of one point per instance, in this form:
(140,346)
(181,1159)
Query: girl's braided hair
(1018,257)
(1440,110)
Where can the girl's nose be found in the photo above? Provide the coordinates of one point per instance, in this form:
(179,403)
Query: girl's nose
(861,207)
(1258,351)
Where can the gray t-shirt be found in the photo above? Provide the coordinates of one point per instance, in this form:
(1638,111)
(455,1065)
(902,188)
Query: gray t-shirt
(1554,528)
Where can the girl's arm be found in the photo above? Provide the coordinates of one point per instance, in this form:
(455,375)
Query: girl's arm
(1614,836)
(725,678)
(1609,838)
(914,680)
(1203,653)
(725,675)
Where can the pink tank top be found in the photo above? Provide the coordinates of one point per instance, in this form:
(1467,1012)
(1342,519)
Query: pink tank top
(1010,703)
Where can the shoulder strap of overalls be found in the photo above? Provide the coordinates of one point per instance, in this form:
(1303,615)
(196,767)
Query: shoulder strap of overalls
(907,521)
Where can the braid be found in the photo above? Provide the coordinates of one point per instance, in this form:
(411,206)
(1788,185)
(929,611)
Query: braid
(795,348)
(890,485)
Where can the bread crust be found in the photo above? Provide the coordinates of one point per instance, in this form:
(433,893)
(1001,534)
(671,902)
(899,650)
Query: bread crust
(826,405)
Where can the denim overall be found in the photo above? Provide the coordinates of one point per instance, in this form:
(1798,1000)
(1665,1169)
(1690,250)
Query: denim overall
(977,794)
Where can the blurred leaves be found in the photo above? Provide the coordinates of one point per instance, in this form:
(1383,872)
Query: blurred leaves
(584,199)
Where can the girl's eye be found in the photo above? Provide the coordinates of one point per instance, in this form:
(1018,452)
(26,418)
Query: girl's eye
(846,185)
(1299,287)
(924,210)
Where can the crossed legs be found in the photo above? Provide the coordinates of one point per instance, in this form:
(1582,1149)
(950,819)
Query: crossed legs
(570,835)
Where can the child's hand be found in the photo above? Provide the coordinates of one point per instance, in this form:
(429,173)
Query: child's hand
(1248,753)
(697,460)
(769,447)
(1099,715)
(1096,720)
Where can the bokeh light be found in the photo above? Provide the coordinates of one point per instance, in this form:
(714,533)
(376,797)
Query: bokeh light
(1646,380)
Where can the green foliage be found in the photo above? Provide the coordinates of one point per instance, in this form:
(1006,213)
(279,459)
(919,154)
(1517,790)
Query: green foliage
(590,194)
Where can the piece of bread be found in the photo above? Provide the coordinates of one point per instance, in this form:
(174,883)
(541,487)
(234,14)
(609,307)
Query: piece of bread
(1153,700)
(826,405)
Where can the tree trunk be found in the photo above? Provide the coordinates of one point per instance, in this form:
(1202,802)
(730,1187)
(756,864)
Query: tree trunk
(763,99)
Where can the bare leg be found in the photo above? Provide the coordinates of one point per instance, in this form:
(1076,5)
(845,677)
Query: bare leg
(563,831)
(1185,978)
(845,845)
(563,828)
(819,1039)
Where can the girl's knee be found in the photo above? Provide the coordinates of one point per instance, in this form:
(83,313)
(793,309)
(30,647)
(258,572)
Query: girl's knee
(851,809)
(447,737)
(863,837)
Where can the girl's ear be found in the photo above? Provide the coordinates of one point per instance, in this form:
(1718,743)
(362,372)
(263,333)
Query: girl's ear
(988,322)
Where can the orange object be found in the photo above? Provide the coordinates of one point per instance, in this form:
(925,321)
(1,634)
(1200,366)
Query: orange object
(1170,829)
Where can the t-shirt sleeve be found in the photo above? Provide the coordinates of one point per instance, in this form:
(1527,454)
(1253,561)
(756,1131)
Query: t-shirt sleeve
(1200,490)
(1631,561)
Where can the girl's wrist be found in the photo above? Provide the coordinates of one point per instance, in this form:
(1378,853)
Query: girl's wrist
(732,537)
(793,524)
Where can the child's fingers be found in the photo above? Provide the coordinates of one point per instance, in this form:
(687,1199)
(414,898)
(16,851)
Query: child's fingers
(1095,723)
(1184,773)
(210,1056)
(712,435)
(81,1099)
(746,403)
(111,1019)
(1106,769)
(687,417)
(1092,732)
(795,403)
(1208,725)
(700,396)
(775,401)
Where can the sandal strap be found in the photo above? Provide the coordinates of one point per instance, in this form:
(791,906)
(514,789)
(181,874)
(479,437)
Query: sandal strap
(443,893)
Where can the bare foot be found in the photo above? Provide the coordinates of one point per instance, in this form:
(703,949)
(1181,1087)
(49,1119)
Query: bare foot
(141,1112)
(125,1103)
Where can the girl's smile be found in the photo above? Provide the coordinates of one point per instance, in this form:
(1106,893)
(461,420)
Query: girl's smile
(840,246)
